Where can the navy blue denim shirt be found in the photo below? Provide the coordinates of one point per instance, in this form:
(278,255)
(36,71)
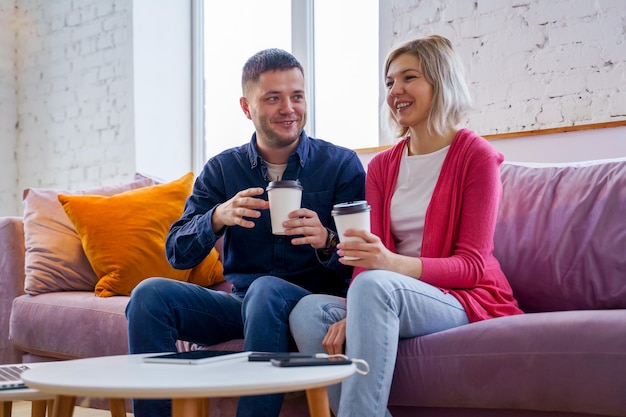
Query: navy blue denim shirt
(329,174)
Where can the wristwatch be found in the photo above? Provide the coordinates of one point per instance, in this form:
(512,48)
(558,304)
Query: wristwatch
(332,240)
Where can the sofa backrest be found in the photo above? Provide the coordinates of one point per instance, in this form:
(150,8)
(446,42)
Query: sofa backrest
(561,234)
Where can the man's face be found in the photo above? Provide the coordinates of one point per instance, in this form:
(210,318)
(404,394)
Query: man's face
(277,107)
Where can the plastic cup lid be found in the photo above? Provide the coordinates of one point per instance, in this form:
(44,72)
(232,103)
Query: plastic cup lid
(350,207)
(284,184)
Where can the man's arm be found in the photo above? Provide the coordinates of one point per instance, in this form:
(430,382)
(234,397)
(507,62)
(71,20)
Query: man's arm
(191,237)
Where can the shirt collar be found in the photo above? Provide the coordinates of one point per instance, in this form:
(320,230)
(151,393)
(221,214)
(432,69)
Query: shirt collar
(302,151)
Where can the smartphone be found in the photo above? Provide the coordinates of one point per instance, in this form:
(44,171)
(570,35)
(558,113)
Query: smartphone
(267,356)
(310,362)
(195,357)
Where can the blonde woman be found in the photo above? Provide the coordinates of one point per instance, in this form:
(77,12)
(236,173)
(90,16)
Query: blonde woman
(428,263)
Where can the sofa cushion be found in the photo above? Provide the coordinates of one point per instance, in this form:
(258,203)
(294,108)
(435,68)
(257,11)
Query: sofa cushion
(90,326)
(568,361)
(54,257)
(561,234)
(124,235)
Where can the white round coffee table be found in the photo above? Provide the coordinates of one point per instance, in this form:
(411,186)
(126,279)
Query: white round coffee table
(189,386)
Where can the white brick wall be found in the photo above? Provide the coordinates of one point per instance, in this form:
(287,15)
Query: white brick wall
(74,93)
(532,64)
(8,108)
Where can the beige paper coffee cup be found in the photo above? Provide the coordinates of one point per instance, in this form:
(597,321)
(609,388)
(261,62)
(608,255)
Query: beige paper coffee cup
(351,215)
(284,197)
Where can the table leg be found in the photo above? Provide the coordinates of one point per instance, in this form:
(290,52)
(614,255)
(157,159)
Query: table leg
(117,407)
(318,402)
(38,408)
(5,410)
(63,406)
(190,407)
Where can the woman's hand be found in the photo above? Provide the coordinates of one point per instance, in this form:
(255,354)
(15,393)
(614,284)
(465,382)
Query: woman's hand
(372,254)
(335,338)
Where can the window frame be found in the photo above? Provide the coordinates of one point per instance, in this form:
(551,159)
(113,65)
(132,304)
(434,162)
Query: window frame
(198,149)
(303,48)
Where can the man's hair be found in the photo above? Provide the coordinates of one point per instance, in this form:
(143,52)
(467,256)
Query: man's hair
(273,59)
(443,69)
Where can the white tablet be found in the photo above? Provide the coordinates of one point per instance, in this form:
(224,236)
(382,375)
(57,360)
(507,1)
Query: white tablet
(195,357)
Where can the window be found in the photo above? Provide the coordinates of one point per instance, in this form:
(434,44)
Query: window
(338,51)
(347,78)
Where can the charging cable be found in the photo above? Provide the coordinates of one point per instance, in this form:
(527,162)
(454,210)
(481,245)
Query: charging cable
(363,370)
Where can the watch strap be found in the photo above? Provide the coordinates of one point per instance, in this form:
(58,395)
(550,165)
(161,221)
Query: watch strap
(331,243)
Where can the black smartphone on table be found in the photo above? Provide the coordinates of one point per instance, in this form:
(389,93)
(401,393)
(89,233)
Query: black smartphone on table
(268,356)
(283,363)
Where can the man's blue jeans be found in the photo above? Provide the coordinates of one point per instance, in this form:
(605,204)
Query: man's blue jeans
(162,311)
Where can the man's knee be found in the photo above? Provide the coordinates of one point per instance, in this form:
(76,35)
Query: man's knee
(269,290)
(263,296)
(147,295)
(265,285)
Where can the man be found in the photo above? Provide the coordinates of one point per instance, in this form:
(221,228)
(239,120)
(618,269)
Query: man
(269,273)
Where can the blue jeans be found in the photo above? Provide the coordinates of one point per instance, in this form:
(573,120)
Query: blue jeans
(162,311)
(382,307)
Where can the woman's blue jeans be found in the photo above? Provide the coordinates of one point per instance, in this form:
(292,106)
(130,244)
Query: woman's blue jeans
(162,311)
(382,307)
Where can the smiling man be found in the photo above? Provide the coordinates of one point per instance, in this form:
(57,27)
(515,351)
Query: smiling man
(269,273)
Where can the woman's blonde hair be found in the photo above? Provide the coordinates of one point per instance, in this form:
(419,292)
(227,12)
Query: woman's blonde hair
(444,70)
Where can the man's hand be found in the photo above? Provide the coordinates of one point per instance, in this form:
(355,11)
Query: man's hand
(305,222)
(335,338)
(234,211)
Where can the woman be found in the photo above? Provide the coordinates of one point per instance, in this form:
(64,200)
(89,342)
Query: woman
(428,263)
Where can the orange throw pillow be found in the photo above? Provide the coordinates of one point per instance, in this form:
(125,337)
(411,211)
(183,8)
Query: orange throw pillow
(123,236)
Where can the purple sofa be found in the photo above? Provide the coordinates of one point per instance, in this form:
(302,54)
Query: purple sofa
(561,240)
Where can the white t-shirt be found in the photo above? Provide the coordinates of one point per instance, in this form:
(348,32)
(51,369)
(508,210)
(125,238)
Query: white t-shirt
(275,171)
(416,182)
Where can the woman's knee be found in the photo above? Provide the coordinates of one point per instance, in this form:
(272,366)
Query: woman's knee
(306,311)
(311,317)
(317,309)
(367,284)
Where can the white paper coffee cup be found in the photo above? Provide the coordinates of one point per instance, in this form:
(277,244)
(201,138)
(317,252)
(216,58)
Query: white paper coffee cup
(351,215)
(284,197)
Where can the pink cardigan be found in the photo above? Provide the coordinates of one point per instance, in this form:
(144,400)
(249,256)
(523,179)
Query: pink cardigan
(457,248)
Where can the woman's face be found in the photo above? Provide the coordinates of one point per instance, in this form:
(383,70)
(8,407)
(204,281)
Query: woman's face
(409,95)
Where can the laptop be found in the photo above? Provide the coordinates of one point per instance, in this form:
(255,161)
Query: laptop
(10,376)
